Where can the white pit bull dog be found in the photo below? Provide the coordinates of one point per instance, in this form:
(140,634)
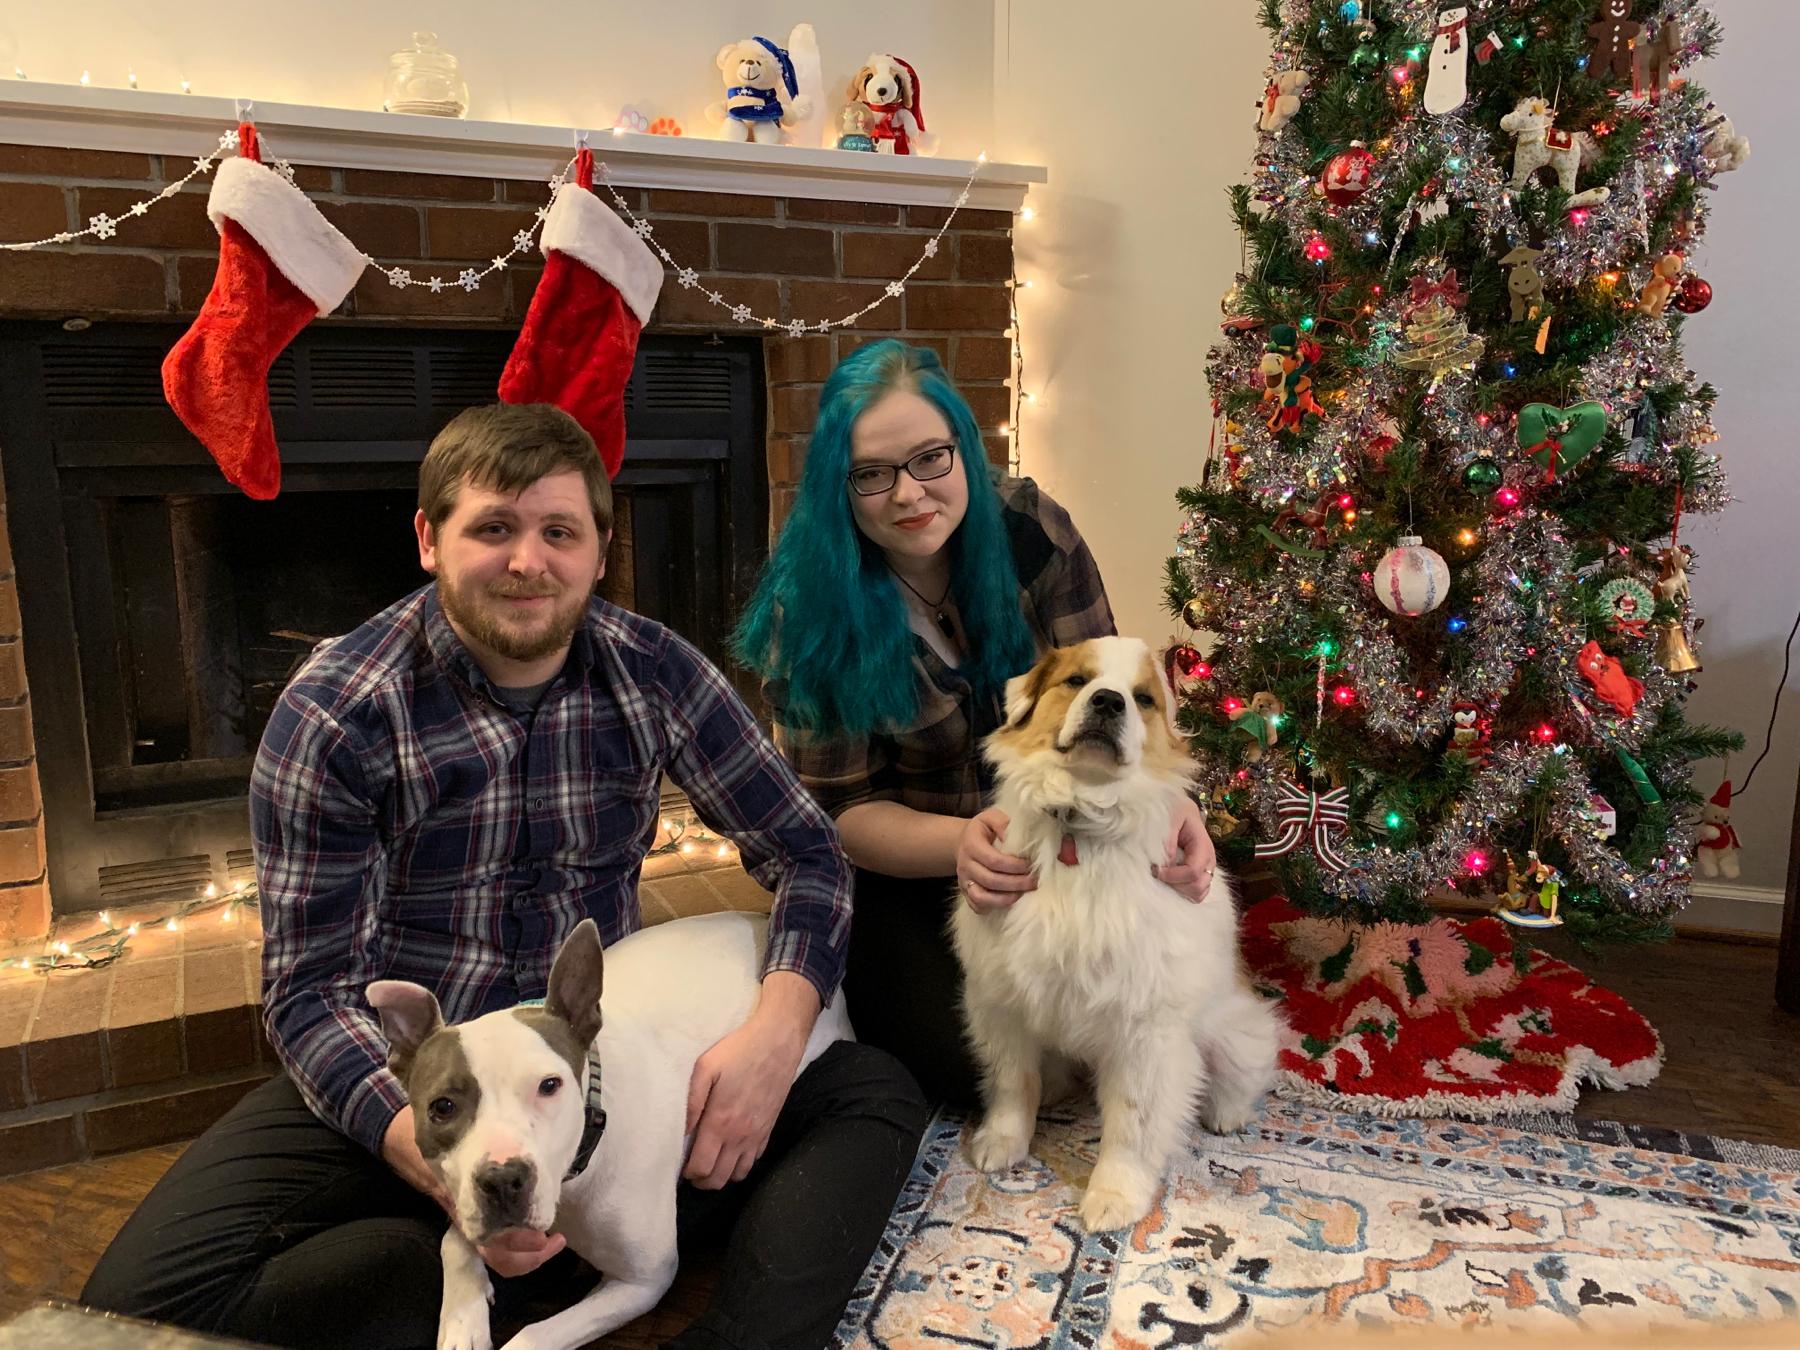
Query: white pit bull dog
(515,1117)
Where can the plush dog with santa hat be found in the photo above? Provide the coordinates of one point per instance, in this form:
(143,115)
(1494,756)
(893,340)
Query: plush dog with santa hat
(884,107)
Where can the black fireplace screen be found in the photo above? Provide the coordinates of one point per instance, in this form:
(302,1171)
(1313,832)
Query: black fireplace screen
(163,612)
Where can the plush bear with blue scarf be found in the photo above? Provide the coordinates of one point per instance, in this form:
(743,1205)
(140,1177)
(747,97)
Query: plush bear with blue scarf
(762,95)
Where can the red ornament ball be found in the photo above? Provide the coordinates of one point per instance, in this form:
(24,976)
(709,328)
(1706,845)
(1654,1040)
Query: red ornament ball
(1348,175)
(1189,662)
(1692,296)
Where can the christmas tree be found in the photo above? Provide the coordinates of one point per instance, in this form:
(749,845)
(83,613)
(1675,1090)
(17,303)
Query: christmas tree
(1437,544)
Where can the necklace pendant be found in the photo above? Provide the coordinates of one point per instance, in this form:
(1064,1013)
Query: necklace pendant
(945,626)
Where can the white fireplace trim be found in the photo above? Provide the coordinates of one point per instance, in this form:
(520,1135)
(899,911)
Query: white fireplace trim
(188,125)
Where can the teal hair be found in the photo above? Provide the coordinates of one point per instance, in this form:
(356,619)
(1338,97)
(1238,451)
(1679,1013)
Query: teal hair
(826,625)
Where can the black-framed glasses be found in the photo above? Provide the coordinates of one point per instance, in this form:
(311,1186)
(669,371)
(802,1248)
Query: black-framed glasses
(871,480)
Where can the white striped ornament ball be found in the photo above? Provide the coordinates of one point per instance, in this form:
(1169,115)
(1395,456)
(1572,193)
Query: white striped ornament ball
(1412,579)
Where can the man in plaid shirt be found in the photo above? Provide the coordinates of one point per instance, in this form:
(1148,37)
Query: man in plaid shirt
(441,796)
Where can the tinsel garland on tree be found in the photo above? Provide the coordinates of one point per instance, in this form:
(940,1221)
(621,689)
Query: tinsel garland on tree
(1402,332)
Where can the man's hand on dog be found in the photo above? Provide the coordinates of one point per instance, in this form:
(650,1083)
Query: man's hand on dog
(1189,871)
(739,1085)
(517,1251)
(989,877)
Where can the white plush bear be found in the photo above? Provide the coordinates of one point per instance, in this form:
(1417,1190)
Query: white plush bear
(1725,149)
(1281,100)
(762,95)
(1716,847)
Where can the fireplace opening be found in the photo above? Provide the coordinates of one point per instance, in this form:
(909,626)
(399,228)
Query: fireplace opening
(164,612)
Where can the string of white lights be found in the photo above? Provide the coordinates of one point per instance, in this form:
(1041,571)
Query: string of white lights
(689,277)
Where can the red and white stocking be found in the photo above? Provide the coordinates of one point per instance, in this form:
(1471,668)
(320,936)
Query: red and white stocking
(281,263)
(580,336)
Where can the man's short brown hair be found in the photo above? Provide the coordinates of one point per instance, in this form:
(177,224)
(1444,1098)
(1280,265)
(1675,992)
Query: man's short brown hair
(507,447)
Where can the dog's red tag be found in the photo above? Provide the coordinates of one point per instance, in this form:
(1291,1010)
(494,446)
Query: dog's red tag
(1066,855)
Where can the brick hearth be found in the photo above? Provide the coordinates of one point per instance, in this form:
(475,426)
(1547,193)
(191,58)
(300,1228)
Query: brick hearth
(788,257)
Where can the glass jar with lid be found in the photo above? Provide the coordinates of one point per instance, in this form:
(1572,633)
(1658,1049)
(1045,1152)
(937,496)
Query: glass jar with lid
(424,78)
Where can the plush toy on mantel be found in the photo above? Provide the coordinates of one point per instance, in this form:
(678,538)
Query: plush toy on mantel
(884,109)
(1717,846)
(762,95)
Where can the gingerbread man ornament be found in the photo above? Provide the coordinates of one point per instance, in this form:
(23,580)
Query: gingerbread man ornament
(1610,55)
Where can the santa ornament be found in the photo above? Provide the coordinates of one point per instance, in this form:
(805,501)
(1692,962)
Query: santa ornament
(281,264)
(1447,78)
(580,336)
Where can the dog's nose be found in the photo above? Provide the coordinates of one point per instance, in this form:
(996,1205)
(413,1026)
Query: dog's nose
(505,1188)
(1109,702)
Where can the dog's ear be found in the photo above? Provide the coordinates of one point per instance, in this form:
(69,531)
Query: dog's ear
(1166,695)
(1024,691)
(859,84)
(575,978)
(906,86)
(409,1014)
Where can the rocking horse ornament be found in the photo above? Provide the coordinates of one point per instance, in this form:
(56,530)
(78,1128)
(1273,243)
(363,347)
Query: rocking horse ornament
(1539,145)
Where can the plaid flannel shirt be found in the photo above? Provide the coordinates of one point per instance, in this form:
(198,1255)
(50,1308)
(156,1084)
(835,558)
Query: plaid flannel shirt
(409,826)
(934,764)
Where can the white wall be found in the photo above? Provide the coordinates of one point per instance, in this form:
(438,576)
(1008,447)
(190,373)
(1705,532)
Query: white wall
(555,63)
(1747,578)
(1144,124)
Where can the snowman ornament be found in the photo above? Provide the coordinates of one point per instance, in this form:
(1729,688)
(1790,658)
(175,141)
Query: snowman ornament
(1447,80)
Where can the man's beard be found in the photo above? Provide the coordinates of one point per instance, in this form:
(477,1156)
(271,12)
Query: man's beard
(474,613)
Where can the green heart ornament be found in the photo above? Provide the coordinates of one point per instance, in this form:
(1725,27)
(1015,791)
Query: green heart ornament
(1559,438)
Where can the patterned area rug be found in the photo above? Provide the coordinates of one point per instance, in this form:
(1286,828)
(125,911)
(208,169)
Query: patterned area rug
(1435,1019)
(1314,1217)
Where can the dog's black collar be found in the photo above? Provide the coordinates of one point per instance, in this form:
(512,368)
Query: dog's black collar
(596,1122)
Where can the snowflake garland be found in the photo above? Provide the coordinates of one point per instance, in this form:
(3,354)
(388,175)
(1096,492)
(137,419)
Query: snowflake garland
(469,279)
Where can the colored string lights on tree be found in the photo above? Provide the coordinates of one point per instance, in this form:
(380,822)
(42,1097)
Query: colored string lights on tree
(1489,724)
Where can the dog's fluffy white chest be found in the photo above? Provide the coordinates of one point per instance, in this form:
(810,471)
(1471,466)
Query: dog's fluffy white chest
(1098,947)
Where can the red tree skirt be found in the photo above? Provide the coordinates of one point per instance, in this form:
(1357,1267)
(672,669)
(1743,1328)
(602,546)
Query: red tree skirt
(1434,1019)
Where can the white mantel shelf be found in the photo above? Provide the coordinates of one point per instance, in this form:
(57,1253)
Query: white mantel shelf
(187,125)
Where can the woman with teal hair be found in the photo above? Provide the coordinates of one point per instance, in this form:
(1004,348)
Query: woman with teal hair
(909,584)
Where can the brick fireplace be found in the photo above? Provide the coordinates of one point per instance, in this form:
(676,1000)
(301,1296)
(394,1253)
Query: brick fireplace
(791,256)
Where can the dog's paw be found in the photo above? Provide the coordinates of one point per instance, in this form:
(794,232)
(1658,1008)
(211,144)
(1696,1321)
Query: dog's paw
(1105,1207)
(996,1147)
(465,1328)
(1227,1121)
(1119,1193)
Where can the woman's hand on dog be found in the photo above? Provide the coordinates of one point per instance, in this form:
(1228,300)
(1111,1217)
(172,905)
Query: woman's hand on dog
(990,878)
(517,1251)
(1189,871)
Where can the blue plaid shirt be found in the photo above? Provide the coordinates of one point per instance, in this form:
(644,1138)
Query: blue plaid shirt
(409,826)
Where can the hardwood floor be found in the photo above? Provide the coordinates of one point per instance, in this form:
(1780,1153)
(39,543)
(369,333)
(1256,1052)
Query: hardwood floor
(1733,1069)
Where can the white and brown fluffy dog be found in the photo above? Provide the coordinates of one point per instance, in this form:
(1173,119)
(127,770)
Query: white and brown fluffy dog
(1102,965)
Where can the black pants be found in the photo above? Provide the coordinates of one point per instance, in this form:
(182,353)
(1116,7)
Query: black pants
(275,1228)
(903,985)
